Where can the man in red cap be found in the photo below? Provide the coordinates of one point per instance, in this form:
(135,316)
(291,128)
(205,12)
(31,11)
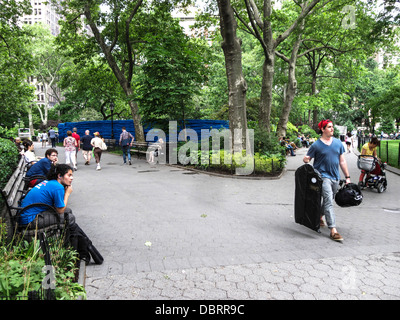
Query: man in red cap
(328,154)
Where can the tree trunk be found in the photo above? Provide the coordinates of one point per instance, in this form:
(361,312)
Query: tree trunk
(265,105)
(119,74)
(237,86)
(291,85)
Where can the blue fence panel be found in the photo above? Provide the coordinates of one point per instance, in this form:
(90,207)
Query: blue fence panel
(104,127)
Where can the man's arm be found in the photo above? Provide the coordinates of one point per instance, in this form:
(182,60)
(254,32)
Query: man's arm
(68,191)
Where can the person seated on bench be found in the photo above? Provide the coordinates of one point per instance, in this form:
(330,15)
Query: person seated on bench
(42,167)
(29,153)
(156,149)
(288,147)
(55,192)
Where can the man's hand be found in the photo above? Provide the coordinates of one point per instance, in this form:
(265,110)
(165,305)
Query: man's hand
(306,159)
(68,190)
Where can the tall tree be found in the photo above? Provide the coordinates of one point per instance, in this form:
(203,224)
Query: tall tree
(237,86)
(15,63)
(46,67)
(259,24)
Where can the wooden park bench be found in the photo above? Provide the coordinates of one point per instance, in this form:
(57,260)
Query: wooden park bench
(139,147)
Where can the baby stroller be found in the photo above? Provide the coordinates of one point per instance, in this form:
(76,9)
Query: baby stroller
(374,173)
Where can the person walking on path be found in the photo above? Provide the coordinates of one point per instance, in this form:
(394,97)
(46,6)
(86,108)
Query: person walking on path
(78,141)
(125,141)
(97,144)
(328,154)
(348,141)
(44,139)
(70,145)
(87,147)
(52,136)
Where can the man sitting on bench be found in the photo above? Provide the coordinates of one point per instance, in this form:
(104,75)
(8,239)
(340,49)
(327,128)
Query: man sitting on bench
(42,167)
(54,192)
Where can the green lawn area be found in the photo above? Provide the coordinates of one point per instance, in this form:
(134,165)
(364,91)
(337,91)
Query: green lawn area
(389,152)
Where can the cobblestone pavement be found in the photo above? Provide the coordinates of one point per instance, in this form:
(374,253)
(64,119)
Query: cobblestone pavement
(173,234)
(374,276)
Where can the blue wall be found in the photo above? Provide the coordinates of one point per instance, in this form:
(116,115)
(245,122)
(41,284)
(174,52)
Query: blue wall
(104,127)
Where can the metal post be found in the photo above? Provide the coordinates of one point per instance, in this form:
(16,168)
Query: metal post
(112,120)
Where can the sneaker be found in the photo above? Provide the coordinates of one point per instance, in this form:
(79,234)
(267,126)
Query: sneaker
(98,167)
(130,163)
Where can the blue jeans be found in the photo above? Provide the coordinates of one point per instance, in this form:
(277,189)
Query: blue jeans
(126,150)
(329,189)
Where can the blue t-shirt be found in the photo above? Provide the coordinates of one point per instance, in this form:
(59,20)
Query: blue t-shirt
(50,192)
(326,158)
(40,168)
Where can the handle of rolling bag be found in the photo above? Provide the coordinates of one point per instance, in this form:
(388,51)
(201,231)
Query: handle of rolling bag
(95,254)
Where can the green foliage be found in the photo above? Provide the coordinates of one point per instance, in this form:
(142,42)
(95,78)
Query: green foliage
(173,71)
(306,130)
(8,160)
(21,268)
(222,161)
(266,142)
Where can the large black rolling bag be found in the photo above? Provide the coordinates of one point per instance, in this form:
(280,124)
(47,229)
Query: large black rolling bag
(308,194)
(81,242)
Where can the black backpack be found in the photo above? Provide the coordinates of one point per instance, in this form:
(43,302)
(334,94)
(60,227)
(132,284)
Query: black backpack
(349,195)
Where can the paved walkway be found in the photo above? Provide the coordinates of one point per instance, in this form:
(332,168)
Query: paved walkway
(169,233)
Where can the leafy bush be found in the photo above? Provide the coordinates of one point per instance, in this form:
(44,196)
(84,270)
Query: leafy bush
(266,142)
(8,160)
(21,269)
(225,162)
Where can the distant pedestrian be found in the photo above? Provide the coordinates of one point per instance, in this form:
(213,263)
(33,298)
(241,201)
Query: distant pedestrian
(52,136)
(87,147)
(70,149)
(98,145)
(78,141)
(125,141)
(348,141)
(328,153)
(45,138)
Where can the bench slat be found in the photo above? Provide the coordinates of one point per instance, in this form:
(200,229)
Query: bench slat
(14,176)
